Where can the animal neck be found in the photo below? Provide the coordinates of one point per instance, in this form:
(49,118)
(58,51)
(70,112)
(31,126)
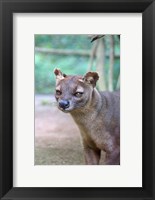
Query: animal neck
(91,109)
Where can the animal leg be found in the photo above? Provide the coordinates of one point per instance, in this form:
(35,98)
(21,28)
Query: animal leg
(92,156)
(113,158)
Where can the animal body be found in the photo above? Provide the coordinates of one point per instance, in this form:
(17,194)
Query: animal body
(97,114)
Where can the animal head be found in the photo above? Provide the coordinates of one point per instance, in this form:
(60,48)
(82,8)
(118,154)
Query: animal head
(74,92)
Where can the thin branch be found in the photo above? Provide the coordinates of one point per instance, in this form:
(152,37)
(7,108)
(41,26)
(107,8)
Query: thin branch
(66,52)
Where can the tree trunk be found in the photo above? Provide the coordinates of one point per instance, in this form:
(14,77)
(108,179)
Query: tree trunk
(118,83)
(92,55)
(100,58)
(111,64)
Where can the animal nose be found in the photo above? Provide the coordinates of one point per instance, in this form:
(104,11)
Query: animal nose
(64,104)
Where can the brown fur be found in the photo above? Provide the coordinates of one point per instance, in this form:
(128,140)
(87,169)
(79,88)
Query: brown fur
(97,115)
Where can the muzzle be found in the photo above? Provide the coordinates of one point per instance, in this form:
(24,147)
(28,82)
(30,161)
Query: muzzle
(64,104)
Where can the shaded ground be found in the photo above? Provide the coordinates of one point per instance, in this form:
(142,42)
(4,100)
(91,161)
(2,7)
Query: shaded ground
(57,138)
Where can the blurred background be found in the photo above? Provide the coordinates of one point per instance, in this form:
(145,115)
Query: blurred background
(57,138)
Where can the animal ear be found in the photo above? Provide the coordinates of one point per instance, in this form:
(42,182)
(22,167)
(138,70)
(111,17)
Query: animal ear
(91,78)
(59,74)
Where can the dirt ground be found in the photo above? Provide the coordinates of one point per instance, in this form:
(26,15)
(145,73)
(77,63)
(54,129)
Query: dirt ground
(57,138)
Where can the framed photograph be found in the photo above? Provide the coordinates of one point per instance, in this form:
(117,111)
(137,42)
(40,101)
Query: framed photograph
(80,57)
(77,99)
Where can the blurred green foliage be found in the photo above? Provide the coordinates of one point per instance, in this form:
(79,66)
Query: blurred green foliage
(45,63)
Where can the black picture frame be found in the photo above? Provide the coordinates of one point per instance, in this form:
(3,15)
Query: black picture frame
(7,8)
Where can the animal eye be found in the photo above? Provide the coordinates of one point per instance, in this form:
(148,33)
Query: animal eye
(58,92)
(78,94)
